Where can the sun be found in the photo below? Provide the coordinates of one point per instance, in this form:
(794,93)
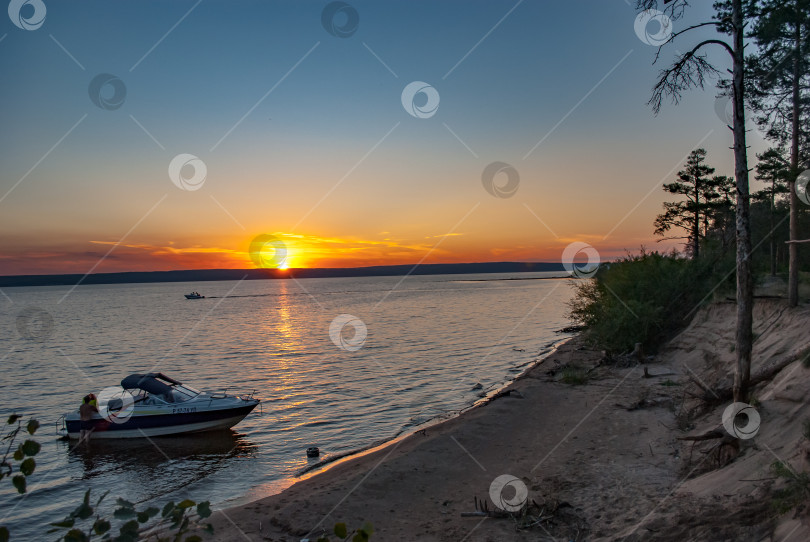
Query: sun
(276,251)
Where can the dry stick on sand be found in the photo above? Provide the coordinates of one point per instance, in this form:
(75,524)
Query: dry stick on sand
(727,393)
(709,435)
(648,374)
(726,440)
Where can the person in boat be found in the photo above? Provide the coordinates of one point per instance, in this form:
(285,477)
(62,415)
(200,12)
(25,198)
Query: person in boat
(86,410)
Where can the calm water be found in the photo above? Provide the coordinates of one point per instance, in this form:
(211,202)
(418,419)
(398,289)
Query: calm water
(430,340)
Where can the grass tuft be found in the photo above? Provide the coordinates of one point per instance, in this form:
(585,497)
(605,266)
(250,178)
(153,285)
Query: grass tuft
(574,376)
(795,491)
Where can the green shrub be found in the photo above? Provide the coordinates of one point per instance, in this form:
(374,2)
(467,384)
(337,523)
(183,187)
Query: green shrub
(573,376)
(795,491)
(643,298)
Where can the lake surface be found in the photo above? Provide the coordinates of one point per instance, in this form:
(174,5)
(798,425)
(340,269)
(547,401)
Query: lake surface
(430,340)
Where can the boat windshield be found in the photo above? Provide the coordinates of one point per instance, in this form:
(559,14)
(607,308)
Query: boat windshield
(181,393)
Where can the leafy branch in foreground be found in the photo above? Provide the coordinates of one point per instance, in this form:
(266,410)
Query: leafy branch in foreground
(363,534)
(20,461)
(23,455)
(176,520)
(180,518)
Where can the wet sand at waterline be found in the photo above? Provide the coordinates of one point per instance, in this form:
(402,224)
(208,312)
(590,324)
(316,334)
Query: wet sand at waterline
(602,460)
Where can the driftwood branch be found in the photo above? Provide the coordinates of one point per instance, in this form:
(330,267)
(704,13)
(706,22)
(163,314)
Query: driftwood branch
(709,435)
(727,393)
(701,385)
(648,374)
(482,510)
(487,514)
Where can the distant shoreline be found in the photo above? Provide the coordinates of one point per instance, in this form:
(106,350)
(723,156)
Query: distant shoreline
(207,275)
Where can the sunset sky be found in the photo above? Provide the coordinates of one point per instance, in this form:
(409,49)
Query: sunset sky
(304,136)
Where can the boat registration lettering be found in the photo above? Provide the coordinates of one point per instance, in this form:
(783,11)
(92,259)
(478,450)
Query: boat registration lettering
(181,410)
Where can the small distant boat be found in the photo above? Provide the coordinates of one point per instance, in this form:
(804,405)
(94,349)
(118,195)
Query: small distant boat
(154,404)
(194,295)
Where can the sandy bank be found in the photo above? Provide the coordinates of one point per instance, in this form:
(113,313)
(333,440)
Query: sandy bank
(601,460)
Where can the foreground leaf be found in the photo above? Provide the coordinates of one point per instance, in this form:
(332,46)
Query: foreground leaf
(66,523)
(83,511)
(340,530)
(27,467)
(188,503)
(204,509)
(19,482)
(76,535)
(30,447)
(32,426)
(152,511)
(3,534)
(13,418)
(167,509)
(98,502)
(129,531)
(101,526)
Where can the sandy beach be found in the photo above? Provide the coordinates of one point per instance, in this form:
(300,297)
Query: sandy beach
(417,488)
(600,460)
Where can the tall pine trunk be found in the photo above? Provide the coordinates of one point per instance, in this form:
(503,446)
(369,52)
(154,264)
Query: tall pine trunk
(745,284)
(793,248)
(696,226)
(773,225)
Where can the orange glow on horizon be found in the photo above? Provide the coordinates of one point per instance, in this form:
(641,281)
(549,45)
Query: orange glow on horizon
(304,251)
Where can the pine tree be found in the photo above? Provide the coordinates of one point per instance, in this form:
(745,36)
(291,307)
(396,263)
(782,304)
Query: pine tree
(721,212)
(772,168)
(690,70)
(779,84)
(691,215)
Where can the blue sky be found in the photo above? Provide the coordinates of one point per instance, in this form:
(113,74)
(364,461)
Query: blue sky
(330,153)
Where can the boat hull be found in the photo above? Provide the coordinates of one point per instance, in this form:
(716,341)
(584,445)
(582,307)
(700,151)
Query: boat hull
(140,426)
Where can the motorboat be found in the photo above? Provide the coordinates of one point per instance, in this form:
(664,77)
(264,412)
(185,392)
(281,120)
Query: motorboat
(154,404)
(194,295)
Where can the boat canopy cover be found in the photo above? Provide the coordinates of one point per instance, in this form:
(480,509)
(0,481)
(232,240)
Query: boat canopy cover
(155,383)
